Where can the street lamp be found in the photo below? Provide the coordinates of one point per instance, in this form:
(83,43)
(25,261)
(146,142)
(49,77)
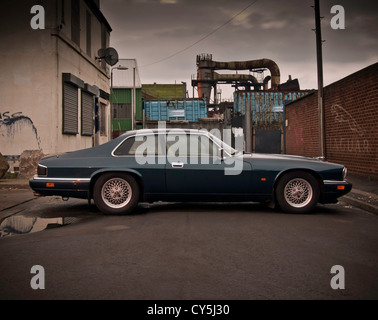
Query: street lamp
(120,67)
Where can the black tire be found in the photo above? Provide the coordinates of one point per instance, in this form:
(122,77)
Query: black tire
(297,192)
(116,193)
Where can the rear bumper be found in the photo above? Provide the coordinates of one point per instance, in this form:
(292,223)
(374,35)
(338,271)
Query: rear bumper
(64,187)
(332,190)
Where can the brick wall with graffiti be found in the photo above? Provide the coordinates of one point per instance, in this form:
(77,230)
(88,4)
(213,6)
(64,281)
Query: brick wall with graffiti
(351,121)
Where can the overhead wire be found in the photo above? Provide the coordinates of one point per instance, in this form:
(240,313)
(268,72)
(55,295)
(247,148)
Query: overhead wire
(203,38)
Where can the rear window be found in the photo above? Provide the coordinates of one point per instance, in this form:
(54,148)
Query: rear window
(130,146)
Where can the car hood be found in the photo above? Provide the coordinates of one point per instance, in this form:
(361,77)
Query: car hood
(277,157)
(292,158)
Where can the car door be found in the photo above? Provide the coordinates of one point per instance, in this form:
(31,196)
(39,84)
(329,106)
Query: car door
(194,167)
(143,153)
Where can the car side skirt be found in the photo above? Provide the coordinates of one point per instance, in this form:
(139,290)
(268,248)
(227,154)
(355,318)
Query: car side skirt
(206,197)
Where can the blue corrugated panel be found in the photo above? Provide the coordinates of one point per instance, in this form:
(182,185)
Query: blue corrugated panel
(164,110)
(264,104)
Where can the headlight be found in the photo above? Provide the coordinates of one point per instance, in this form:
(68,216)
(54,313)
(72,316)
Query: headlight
(42,170)
(345,170)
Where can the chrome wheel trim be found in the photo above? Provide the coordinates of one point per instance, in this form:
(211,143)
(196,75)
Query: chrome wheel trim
(116,193)
(298,193)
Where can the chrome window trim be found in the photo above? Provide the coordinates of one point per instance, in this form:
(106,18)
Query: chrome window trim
(129,137)
(206,134)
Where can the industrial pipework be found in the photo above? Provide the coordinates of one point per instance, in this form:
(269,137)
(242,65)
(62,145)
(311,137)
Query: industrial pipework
(208,78)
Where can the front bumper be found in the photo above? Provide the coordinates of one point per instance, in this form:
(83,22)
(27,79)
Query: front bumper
(332,190)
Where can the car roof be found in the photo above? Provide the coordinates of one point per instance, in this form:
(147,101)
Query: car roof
(164,130)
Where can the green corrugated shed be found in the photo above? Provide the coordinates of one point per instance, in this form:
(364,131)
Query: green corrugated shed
(165,91)
(121,125)
(124,96)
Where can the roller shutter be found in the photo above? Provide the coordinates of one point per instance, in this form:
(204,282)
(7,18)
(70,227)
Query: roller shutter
(87,108)
(70,109)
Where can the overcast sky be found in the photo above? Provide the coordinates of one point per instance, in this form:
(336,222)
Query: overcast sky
(153,30)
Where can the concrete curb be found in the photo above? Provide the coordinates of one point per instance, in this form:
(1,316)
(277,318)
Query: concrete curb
(360,204)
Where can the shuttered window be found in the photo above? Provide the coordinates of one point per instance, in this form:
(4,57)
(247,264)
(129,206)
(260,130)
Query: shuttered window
(70,109)
(87,110)
(75,21)
(103,120)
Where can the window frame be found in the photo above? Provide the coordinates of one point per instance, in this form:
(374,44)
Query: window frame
(67,128)
(84,130)
(157,134)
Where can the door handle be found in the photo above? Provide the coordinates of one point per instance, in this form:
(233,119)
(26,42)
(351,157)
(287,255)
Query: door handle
(177,165)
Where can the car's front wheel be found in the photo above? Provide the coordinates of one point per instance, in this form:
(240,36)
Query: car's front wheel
(116,193)
(297,192)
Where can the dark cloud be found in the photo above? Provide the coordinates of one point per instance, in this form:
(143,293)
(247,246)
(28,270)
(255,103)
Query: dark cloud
(151,30)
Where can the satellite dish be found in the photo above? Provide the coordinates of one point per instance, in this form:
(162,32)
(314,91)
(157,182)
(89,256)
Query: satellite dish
(110,55)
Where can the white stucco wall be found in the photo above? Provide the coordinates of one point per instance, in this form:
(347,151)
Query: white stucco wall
(33,62)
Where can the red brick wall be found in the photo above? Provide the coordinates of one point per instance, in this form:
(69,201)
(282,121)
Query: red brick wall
(351,120)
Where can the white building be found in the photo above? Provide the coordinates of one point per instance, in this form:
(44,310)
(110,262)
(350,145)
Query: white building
(54,92)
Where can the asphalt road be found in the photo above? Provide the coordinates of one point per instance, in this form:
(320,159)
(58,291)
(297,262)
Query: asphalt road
(188,251)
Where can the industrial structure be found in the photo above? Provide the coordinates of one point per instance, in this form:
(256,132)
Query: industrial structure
(257,108)
(207,78)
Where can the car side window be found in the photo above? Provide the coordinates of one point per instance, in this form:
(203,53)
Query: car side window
(192,145)
(201,146)
(144,145)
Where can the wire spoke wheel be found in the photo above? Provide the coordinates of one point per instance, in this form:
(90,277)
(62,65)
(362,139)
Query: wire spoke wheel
(298,192)
(116,193)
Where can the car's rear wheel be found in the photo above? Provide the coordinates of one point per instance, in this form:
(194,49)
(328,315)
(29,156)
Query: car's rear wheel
(297,192)
(116,193)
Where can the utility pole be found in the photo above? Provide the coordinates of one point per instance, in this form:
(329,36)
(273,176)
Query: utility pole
(320,80)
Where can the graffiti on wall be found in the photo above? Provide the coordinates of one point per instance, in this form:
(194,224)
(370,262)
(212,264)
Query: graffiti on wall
(354,139)
(16,130)
(298,136)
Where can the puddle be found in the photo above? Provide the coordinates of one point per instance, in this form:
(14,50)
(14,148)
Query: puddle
(19,224)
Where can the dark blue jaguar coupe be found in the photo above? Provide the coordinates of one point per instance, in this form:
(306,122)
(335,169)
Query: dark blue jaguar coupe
(186,165)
